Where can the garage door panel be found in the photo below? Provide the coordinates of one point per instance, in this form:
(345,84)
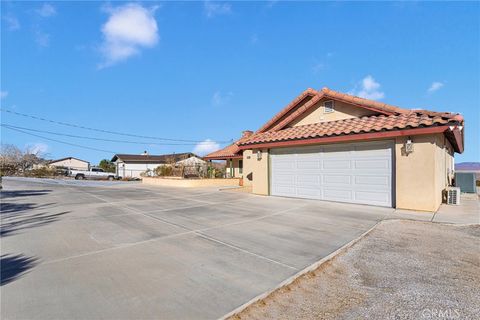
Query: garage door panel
(338,194)
(308,180)
(289,191)
(308,164)
(369,180)
(282,164)
(314,193)
(357,173)
(329,179)
(373,164)
(337,164)
(285,179)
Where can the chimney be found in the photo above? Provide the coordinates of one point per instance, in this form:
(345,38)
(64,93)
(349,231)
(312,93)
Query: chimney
(246,133)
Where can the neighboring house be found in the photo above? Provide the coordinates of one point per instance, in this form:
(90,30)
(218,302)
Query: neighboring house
(333,146)
(133,165)
(71,163)
(469,167)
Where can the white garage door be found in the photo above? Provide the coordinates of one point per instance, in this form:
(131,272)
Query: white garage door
(356,173)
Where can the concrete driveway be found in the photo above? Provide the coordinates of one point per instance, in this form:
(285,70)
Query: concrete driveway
(124,251)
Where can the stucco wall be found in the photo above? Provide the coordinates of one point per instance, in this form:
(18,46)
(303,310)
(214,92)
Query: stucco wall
(422,175)
(341,111)
(256,171)
(71,163)
(247,168)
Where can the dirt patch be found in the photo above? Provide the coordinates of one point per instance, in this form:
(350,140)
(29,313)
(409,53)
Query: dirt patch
(401,270)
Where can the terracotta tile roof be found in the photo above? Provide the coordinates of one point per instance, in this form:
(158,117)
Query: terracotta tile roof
(305,94)
(232,150)
(228,152)
(310,97)
(412,119)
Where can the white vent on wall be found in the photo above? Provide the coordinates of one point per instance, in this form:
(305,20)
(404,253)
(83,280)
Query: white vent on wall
(453,195)
(328,107)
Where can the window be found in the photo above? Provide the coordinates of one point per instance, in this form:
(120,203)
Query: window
(240,166)
(328,107)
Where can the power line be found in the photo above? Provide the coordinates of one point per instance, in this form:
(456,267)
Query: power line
(60,141)
(97,130)
(6,125)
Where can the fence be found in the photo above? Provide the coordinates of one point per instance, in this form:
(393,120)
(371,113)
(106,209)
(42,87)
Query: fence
(187,171)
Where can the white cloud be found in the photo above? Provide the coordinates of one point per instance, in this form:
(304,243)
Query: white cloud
(12,22)
(205,147)
(369,89)
(219,99)
(317,67)
(42,38)
(38,148)
(46,10)
(212,9)
(3,94)
(129,28)
(435,86)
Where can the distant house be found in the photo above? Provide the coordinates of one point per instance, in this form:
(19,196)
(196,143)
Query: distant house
(468,167)
(70,162)
(133,165)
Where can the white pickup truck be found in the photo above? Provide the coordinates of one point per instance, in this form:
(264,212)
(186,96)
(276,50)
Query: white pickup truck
(93,174)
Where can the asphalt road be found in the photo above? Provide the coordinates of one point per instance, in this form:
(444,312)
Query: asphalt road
(125,251)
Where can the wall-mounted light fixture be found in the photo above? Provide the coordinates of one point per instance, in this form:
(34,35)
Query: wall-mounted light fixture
(259,155)
(409,146)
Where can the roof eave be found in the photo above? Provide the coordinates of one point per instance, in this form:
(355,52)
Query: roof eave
(346,138)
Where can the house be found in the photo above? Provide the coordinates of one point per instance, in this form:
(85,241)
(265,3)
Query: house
(232,155)
(133,165)
(71,163)
(473,167)
(333,146)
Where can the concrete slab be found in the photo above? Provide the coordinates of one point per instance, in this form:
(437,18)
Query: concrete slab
(127,251)
(466,213)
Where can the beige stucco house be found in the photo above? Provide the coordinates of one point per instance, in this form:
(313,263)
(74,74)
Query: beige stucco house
(71,163)
(332,146)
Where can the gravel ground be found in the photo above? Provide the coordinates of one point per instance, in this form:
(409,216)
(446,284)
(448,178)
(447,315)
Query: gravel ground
(401,270)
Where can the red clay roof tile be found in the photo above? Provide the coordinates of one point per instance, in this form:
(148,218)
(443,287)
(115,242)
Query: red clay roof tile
(349,126)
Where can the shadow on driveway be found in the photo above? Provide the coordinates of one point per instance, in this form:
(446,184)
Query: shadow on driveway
(23,193)
(17,216)
(14,266)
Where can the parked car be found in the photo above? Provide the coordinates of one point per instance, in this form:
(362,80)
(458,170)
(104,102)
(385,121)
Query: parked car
(92,174)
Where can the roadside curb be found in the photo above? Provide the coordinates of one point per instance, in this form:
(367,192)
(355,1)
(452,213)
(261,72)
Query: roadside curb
(302,272)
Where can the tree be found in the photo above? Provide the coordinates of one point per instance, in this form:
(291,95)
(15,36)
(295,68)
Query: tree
(107,166)
(13,160)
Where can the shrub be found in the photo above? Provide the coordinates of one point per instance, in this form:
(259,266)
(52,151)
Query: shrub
(164,171)
(43,172)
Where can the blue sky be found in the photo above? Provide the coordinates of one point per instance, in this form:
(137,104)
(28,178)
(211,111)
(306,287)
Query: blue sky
(205,71)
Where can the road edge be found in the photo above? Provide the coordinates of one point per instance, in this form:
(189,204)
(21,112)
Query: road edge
(302,272)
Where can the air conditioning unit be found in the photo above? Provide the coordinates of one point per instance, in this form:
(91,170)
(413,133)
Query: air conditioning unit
(453,195)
